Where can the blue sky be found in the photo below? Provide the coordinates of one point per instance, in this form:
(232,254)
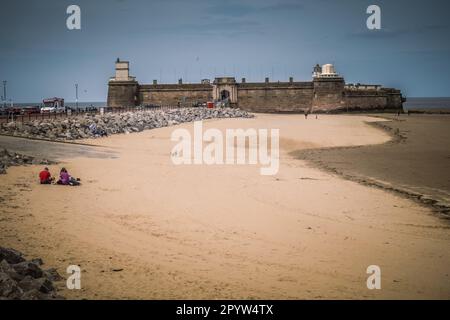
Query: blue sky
(167,40)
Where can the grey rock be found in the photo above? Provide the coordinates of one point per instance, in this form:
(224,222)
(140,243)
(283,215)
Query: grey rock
(25,280)
(37,261)
(11,256)
(6,268)
(42,284)
(9,288)
(53,275)
(113,123)
(28,268)
(34,294)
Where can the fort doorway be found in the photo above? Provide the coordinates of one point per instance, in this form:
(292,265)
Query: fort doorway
(224,95)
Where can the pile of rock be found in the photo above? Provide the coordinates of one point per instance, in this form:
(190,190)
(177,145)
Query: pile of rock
(94,125)
(8,158)
(25,280)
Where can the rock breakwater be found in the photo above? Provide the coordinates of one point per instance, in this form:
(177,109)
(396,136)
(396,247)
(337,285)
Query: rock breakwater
(97,125)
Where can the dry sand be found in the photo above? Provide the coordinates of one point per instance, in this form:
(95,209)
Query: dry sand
(193,232)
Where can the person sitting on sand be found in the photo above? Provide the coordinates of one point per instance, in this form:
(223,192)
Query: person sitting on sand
(45,177)
(66,179)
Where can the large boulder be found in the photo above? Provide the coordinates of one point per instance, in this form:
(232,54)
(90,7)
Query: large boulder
(41,284)
(52,275)
(28,268)
(6,268)
(9,288)
(11,256)
(25,280)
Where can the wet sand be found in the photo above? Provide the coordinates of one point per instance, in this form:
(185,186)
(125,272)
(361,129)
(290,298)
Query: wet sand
(141,227)
(415,163)
(54,151)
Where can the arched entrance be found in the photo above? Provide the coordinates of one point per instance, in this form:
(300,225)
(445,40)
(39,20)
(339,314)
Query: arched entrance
(225,89)
(224,95)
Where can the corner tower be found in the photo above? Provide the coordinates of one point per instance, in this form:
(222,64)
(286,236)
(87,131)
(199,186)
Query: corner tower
(328,89)
(122,88)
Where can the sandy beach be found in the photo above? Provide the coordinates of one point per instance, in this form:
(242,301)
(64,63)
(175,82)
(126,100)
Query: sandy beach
(141,227)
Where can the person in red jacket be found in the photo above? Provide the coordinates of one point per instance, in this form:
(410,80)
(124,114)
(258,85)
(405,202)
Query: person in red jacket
(45,177)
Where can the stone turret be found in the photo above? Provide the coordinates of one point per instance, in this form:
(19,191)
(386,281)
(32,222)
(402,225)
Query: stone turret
(328,91)
(122,88)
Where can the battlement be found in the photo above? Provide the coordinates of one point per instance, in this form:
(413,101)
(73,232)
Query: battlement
(266,85)
(185,86)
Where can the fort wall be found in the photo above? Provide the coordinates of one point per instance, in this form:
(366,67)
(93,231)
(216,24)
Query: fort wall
(123,93)
(174,94)
(275,97)
(369,99)
(327,92)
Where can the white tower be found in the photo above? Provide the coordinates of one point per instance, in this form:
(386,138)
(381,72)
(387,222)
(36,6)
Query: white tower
(122,71)
(328,71)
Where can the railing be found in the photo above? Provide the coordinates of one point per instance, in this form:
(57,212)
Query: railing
(31,116)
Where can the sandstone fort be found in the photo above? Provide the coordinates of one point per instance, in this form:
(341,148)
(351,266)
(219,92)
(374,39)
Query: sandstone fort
(327,92)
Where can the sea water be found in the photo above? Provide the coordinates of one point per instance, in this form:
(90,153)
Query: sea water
(426,103)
